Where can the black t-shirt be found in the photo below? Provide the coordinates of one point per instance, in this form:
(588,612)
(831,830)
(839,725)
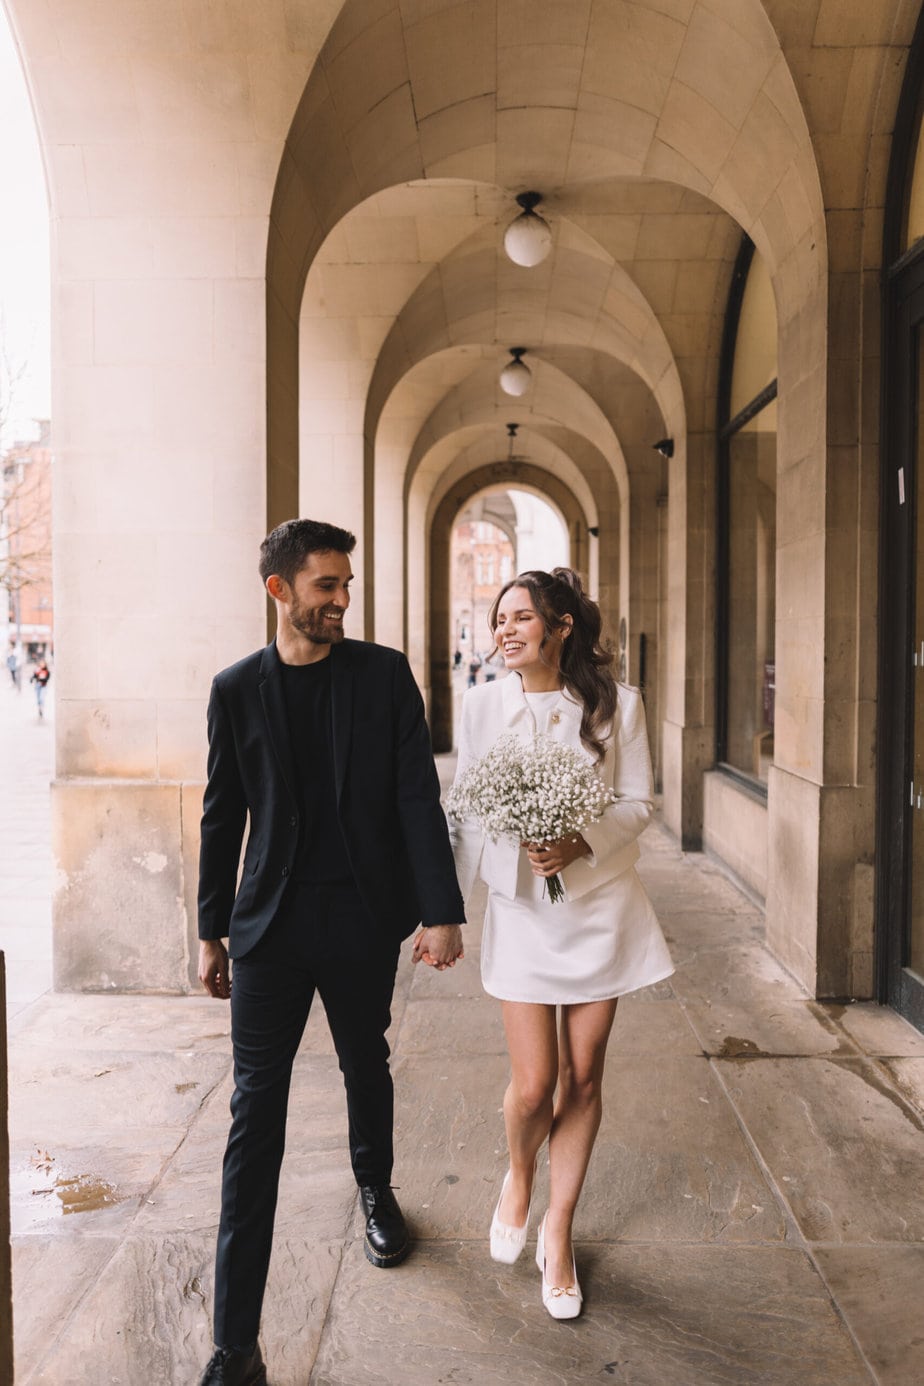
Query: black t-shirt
(322,854)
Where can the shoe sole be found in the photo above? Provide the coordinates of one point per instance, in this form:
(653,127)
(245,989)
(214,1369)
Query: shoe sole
(386,1262)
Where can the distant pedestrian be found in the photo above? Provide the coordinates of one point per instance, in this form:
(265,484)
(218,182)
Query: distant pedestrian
(474,665)
(12,663)
(40,680)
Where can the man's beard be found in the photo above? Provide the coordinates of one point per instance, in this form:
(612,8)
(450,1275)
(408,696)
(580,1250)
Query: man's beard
(314,627)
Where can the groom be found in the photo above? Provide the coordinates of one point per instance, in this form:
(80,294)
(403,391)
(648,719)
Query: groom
(321,743)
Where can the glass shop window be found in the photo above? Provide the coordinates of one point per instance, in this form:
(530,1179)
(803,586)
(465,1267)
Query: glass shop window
(747,526)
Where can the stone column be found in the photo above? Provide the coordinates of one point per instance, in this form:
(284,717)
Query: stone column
(688,731)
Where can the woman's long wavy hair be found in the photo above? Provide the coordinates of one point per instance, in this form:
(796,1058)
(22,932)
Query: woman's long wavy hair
(585,661)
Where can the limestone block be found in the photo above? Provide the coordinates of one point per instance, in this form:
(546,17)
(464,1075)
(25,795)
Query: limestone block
(735,828)
(731,84)
(793,862)
(632,52)
(140,322)
(369,68)
(119,915)
(466,31)
(541,21)
(852,23)
(552,70)
(179,177)
(110,736)
(92,101)
(614,134)
(103,408)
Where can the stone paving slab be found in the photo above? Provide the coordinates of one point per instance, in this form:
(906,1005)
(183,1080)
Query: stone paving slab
(876,1029)
(878,1291)
(52,1274)
(729,1030)
(652,1318)
(147,1317)
(840,1143)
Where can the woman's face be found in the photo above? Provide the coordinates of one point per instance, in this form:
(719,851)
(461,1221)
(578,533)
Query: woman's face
(519,633)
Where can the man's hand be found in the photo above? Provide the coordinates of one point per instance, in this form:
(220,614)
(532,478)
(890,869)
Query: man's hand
(439,946)
(213,968)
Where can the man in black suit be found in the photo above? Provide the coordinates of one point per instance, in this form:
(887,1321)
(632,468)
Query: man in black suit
(322,743)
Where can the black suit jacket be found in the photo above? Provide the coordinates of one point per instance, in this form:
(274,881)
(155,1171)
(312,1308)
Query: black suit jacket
(387,796)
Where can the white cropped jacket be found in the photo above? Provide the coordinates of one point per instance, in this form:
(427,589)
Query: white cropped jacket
(491,709)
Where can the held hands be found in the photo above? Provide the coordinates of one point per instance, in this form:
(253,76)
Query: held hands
(439,946)
(213,968)
(548,858)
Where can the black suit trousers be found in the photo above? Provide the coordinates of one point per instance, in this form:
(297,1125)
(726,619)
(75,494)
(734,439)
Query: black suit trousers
(323,941)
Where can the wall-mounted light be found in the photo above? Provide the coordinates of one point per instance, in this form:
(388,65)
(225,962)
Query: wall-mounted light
(665,446)
(593,531)
(515,378)
(528,238)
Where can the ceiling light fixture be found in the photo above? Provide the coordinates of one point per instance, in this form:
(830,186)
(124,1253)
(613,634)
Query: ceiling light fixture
(528,238)
(665,446)
(515,378)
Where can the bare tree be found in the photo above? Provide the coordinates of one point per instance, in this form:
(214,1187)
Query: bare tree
(25,496)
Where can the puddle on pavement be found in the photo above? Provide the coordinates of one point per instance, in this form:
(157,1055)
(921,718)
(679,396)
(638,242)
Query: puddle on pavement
(735,1048)
(39,1192)
(84,1193)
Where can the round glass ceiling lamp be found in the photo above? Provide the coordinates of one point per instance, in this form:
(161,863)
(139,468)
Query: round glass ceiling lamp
(528,238)
(515,378)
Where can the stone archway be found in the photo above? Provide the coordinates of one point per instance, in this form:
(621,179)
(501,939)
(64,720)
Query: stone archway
(444,517)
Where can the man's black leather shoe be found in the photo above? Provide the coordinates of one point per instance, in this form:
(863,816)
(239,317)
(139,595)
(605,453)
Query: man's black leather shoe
(234,1367)
(387,1242)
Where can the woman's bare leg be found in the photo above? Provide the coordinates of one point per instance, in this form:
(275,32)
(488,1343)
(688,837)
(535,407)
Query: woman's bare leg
(583,1036)
(533,1044)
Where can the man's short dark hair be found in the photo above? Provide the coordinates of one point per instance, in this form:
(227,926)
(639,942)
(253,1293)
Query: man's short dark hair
(286,547)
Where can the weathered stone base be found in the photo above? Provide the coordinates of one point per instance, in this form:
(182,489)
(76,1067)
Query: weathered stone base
(124,903)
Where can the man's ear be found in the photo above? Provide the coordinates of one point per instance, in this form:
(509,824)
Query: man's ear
(277,587)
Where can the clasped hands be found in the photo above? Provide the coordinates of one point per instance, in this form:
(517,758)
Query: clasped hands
(439,946)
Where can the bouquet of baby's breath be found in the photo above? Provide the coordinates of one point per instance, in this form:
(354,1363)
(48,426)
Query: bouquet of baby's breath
(534,791)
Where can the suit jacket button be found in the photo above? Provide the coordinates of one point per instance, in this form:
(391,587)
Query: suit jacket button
(285,872)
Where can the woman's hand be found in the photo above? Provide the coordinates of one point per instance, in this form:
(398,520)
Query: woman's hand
(548,858)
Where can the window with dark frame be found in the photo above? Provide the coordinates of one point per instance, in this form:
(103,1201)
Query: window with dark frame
(746,529)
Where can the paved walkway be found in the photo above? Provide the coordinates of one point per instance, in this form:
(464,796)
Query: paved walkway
(754,1212)
(26,768)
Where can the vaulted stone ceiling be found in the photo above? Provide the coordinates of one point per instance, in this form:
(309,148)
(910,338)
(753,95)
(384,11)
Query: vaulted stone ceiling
(654,131)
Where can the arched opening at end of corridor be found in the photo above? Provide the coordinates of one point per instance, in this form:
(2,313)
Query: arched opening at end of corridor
(483,532)
(496,536)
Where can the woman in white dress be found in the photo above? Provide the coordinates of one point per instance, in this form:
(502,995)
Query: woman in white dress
(558,968)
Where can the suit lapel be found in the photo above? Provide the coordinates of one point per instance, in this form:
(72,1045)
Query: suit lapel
(274,710)
(341,709)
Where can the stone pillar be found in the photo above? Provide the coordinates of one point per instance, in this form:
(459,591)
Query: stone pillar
(822,788)
(688,731)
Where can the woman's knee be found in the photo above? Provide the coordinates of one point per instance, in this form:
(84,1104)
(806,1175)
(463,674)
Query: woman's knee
(581,1086)
(532,1095)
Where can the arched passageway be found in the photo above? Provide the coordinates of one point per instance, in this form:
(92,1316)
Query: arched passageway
(285,288)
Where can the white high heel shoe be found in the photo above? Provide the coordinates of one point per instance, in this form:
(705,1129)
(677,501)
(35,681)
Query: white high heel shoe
(562,1302)
(508,1241)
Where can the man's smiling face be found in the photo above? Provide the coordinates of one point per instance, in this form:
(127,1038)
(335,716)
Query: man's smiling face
(320,595)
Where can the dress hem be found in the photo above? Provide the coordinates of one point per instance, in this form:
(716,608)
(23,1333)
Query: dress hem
(582,1000)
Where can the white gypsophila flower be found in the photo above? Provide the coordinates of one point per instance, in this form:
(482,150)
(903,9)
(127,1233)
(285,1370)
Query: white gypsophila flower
(532,791)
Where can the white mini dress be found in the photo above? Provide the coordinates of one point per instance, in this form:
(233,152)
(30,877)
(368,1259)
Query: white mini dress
(600,945)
